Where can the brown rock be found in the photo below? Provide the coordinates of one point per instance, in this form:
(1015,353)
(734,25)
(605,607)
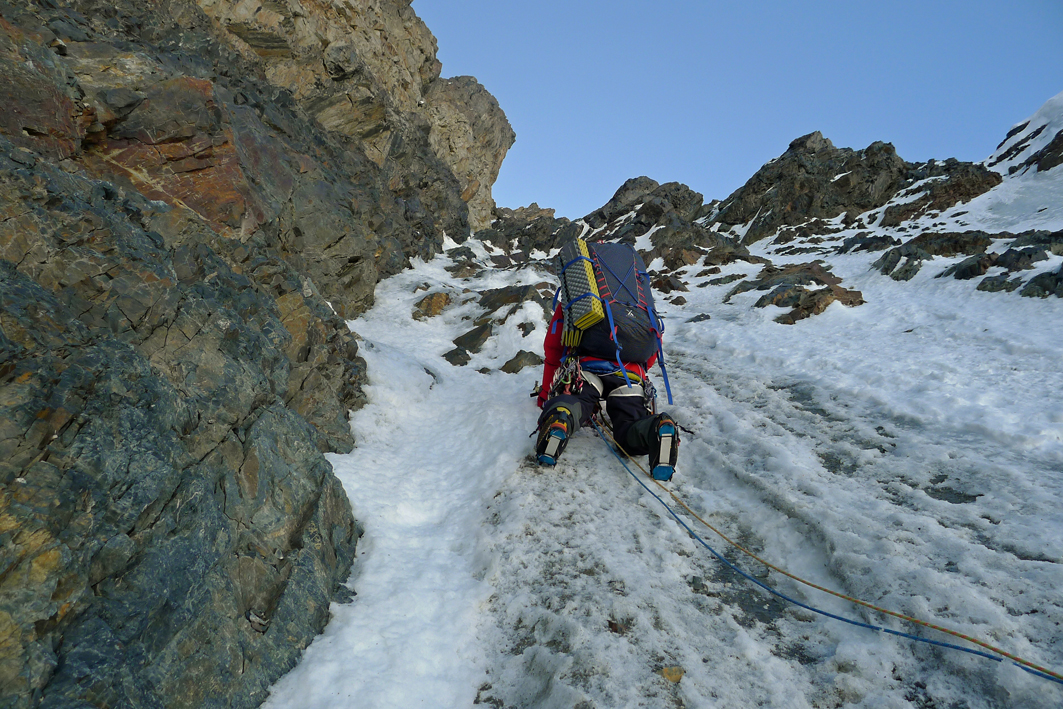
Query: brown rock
(669,284)
(174,147)
(521,360)
(37,113)
(807,303)
(681,257)
(471,135)
(790,275)
(672,674)
(431,305)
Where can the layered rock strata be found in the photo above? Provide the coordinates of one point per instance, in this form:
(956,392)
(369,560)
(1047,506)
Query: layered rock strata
(368,70)
(171,534)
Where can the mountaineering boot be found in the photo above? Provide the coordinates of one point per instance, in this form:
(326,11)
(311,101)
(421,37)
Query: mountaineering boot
(665,450)
(553,435)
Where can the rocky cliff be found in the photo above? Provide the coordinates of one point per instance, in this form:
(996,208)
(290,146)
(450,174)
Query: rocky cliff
(193,196)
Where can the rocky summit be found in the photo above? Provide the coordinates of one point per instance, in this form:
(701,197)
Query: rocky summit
(194,196)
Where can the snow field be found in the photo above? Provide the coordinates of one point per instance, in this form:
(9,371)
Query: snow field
(427,453)
(908,452)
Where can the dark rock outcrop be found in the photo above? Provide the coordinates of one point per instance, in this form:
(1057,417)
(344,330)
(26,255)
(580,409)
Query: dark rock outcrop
(788,289)
(168,513)
(814,180)
(519,232)
(521,360)
(640,205)
(928,245)
(1044,285)
(958,182)
(474,339)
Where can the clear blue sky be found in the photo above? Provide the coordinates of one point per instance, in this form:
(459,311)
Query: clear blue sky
(706,92)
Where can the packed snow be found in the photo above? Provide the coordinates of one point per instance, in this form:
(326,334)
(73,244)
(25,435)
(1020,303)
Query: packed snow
(908,452)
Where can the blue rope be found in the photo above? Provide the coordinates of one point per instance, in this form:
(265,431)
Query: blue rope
(664,372)
(769,589)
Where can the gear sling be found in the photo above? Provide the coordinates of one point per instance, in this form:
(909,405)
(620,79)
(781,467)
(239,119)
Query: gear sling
(608,307)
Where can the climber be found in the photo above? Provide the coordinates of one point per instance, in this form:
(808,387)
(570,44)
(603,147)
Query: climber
(603,338)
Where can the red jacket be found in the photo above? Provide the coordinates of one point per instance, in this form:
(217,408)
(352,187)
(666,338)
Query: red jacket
(553,351)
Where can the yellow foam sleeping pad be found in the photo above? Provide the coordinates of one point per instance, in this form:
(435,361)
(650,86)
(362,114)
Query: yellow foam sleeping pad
(579,291)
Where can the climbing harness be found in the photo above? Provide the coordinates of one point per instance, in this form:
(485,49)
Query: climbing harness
(1000,655)
(568,378)
(649,396)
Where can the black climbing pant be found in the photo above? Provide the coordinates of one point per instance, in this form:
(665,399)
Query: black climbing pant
(633,426)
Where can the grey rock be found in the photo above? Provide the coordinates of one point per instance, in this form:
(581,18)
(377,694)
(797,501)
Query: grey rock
(928,245)
(526,230)
(474,339)
(907,271)
(1021,259)
(971,267)
(724,280)
(1044,284)
(496,298)
(1050,241)
(458,356)
(462,253)
(521,360)
(630,194)
(471,135)
(802,274)
(868,243)
(963,182)
(800,185)
(1002,282)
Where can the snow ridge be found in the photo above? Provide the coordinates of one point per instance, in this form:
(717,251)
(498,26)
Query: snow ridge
(1029,137)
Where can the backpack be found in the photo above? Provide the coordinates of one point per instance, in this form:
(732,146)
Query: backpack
(608,306)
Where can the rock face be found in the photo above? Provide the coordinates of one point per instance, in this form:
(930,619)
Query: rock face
(193,196)
(368,70)
(165,511)
(815,180)
(471,135)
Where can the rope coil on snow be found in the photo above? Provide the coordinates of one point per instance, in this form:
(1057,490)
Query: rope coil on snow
(1000,655)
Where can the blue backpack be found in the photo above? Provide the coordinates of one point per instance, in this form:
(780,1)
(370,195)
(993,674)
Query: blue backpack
(608,306)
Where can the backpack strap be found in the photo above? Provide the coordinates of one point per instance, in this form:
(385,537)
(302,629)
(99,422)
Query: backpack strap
(612,330)
(658,330)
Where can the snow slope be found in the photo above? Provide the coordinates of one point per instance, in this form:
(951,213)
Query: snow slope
(908,452)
